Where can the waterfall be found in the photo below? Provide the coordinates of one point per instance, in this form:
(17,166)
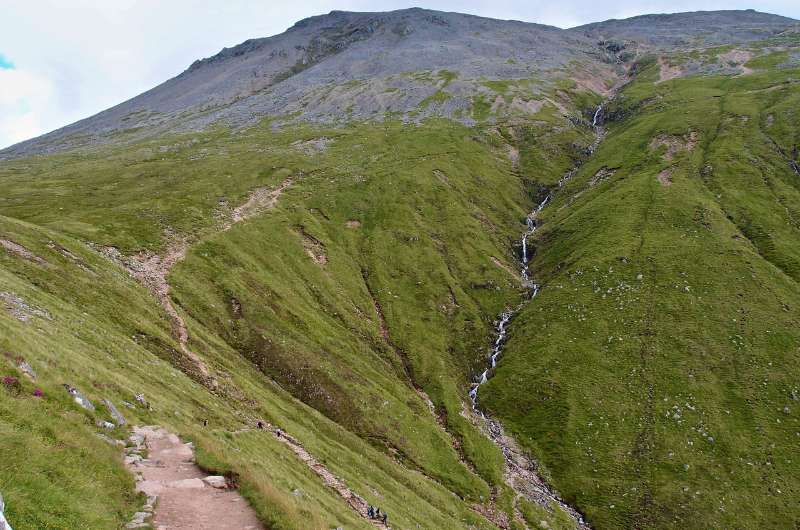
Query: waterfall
(505,317)
(597,114)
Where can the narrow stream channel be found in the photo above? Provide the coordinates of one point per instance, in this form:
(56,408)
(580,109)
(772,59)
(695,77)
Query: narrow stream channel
(521,472)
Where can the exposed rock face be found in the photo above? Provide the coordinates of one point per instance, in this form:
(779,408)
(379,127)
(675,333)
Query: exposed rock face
(699,28)
(118,418)
(80,399)
(345,65)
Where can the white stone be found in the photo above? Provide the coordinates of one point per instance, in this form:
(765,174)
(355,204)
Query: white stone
(216,481)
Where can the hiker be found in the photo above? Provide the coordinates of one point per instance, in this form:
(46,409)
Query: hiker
(371,512)
(205,423)
(385,518)
(278,433)
(260,425)
(377,514)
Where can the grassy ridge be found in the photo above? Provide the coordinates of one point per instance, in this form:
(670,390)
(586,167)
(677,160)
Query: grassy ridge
(109,353)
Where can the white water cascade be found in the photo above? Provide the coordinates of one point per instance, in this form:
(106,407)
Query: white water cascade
(522,472)
(505,317)
(597,115)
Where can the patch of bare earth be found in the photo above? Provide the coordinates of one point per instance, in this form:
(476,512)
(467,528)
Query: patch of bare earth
(17,307)
(600,80)
(353,223)
(314,248)
(603,174)
(313,146)
(665,177)
(182,495)
(20,251)
(529,106)
(674,144)
(667,71)
(152,269)
(737,58)
(441,177)
(259,200)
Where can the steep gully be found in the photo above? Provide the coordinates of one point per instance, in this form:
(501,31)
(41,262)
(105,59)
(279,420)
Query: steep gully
(521,470)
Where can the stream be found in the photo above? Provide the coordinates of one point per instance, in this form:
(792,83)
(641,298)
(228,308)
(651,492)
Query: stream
(522,471)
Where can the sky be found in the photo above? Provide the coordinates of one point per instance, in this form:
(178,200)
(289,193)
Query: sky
(64,60)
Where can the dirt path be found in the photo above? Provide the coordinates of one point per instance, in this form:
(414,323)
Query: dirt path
(353,499)
(183,496)
(152,270)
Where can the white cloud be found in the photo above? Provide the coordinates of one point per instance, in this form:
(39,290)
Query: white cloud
(25,98)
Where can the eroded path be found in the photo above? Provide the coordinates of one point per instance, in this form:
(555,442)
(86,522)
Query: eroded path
(183,496)
(152,269)
(353,499)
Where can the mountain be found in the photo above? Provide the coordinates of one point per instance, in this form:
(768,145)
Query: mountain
(478,273)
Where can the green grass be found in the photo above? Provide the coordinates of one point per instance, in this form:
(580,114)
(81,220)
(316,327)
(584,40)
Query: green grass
(437,98)
(653,377)
(305,351)
(651,374)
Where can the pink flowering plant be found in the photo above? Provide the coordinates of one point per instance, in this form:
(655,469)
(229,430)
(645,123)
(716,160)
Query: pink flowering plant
(11,384)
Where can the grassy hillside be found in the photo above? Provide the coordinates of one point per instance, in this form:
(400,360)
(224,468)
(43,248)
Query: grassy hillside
(655,375)
(353,304)
(368,289)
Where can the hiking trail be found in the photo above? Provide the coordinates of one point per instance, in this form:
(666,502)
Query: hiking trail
(353,499)
(152,269)
(180,496)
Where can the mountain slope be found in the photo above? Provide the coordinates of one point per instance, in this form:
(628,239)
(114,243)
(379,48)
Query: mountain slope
(339,273)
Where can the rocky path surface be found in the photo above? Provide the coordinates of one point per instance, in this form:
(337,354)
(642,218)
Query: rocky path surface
(353,499)
(179,495)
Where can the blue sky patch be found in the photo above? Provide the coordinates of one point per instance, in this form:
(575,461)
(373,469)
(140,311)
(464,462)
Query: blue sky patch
(5,64)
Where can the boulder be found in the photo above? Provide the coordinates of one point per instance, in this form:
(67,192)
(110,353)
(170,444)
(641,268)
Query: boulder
(118,418)
(80,399)
(216,481)
(26,369)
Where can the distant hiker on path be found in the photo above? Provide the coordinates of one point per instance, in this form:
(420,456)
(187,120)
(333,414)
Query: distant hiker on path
(205,423)
(371,512)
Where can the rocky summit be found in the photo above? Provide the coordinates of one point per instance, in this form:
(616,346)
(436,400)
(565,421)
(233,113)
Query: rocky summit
(413,270)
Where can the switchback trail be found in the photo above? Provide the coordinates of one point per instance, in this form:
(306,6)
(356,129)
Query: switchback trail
(152,269)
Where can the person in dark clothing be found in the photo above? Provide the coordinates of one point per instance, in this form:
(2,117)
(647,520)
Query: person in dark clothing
(260,425)
(205,423)
(377,513)
(385,517)
(371,512)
